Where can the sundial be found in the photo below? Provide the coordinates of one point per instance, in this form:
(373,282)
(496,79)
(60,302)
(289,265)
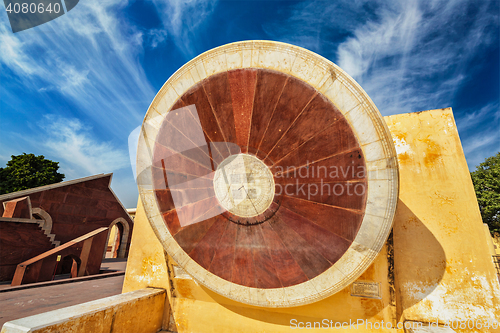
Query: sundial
(267,174)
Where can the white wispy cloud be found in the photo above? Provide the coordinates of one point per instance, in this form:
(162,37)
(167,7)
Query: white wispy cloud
(489,114)
(74,144)
(157,36)
(411,58)
(12,54)
(479,141)
(90,58)
(483,144)
(407,55)
(85,68)
(182,19)
(88,55)
(317,25)
(480,133)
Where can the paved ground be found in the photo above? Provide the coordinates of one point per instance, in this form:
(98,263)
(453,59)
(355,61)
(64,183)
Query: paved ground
(114,264)
(28,302)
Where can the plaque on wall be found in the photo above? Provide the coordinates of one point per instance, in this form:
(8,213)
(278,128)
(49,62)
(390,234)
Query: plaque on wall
(366,289)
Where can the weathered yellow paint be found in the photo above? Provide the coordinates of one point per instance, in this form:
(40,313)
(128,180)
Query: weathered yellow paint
(443,267)
(146,264)
(138,311)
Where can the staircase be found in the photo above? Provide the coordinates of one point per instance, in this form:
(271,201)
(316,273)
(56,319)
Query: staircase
(46,230)
(19,210)
(25,232)
(41,224)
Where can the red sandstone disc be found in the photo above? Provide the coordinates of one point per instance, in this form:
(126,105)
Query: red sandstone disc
(267,173)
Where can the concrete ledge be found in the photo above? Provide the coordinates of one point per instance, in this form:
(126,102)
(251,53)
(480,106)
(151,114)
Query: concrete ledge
(136,311)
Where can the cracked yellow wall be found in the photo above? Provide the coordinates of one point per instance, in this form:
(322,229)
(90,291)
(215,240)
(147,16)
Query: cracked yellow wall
(146,264)
(443,266)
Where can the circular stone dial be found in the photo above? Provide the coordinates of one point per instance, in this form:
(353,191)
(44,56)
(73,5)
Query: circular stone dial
(255,169)
(220,203)
(244,185)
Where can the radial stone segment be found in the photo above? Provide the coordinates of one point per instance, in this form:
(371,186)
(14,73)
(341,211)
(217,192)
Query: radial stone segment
(267,173)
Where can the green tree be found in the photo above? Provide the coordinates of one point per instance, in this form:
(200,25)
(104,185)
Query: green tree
(486,181)
(28,171)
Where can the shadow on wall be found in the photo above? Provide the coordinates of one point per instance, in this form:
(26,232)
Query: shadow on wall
(419,266)
(419,259)
(268,315)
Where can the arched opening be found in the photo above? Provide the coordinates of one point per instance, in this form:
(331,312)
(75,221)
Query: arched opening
(117,239)
(114,239)
(68,267)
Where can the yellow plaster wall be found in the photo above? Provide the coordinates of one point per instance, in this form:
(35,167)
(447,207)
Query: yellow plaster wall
(443,270)
(443,267)
(340,307)
(146,264)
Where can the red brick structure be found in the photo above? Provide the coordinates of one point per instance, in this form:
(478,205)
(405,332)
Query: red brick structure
(36,220)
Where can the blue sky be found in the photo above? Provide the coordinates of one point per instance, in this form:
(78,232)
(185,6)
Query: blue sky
(74,88)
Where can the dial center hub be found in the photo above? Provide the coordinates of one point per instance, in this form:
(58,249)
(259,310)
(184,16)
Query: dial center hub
(244,185)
